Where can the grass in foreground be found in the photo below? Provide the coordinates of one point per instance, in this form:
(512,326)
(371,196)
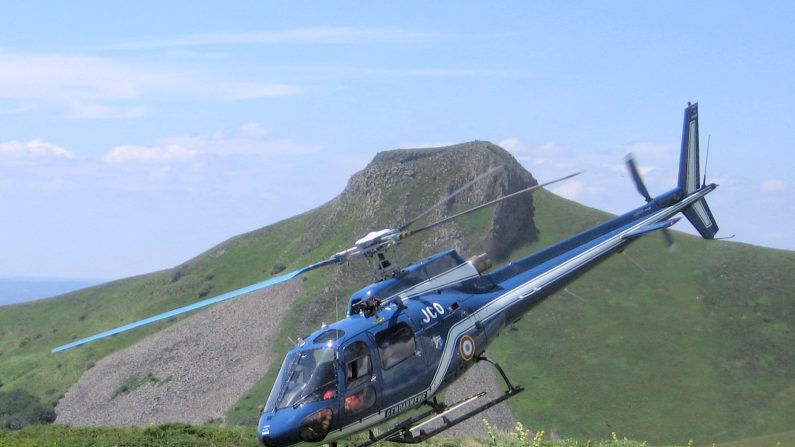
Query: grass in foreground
(179,435)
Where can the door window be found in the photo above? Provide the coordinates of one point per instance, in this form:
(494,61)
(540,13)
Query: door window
(359,401)
(358,374)
(358,367)
(395,344)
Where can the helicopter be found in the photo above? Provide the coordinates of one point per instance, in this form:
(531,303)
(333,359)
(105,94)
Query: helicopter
(418,328)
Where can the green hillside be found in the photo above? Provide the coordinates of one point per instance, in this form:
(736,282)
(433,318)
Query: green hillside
(29,331)
(694,344)
(666,347)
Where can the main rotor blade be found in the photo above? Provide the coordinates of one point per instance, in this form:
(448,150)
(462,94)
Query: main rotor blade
(633,170)
(479,207)
(446,199)
(199,305)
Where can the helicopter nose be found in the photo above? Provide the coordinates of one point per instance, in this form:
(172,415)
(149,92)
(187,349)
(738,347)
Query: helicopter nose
(267,436)
(271,431)
(289,426)
(264,431)
(267,441)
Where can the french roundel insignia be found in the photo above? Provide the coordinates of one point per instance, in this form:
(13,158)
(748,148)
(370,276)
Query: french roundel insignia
(466,347)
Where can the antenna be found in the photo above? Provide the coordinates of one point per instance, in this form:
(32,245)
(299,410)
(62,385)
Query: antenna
(573,294)
(706,160)
(640,267)
(725,237)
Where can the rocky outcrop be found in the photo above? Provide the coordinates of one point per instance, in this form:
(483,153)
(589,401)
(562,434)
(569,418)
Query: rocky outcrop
(407,181)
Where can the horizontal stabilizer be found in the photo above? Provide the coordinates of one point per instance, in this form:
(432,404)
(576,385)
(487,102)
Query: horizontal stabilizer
(701,217)
(651,227)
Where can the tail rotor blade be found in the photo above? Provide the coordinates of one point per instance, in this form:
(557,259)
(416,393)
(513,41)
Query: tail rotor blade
(191,307)
(633,170)
(669,239)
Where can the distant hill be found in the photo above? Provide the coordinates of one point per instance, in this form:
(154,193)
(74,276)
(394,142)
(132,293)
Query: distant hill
(653,345)
(18,289)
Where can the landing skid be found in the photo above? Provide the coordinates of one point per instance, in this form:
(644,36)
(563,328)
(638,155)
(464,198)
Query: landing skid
(411,430)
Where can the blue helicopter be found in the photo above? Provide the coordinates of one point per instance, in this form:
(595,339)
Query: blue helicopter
(417,329)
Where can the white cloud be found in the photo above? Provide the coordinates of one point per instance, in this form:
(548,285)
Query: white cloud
(426,72)
(548,149)
(253,130)
(773,185)
(512,145)
(650,149)
(309,35)
(82,110)
(238,145)
(97,87)
(231,162)
(38,165)
(248,140)
(550,152)
(606,183)
(36,148)
(172,152)
(571,189)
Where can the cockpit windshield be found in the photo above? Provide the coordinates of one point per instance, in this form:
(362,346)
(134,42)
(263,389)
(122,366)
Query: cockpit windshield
(305,376)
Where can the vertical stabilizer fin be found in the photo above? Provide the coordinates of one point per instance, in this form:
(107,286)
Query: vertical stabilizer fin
(690,176)
(689,172)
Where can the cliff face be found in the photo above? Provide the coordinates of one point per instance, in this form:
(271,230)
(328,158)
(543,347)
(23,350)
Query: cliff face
(200,367)
(400,184)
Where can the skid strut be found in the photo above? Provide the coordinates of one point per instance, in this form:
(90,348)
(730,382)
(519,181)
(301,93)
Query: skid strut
(410,430)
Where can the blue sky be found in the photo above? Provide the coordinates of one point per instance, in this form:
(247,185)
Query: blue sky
(134,136)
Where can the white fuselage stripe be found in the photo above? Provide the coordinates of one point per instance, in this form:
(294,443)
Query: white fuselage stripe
(528,288)
(692,174)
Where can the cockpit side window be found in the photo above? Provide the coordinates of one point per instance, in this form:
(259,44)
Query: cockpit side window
(358,367)
(305,376)
(395,344)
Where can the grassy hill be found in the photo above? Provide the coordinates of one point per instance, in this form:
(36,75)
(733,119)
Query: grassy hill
(666,347)
(694,344)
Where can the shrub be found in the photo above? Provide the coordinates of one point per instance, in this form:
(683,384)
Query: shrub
(19,408)
(134,382)
(278,268)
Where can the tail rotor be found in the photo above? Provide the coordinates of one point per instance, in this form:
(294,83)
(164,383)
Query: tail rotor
(635,173)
